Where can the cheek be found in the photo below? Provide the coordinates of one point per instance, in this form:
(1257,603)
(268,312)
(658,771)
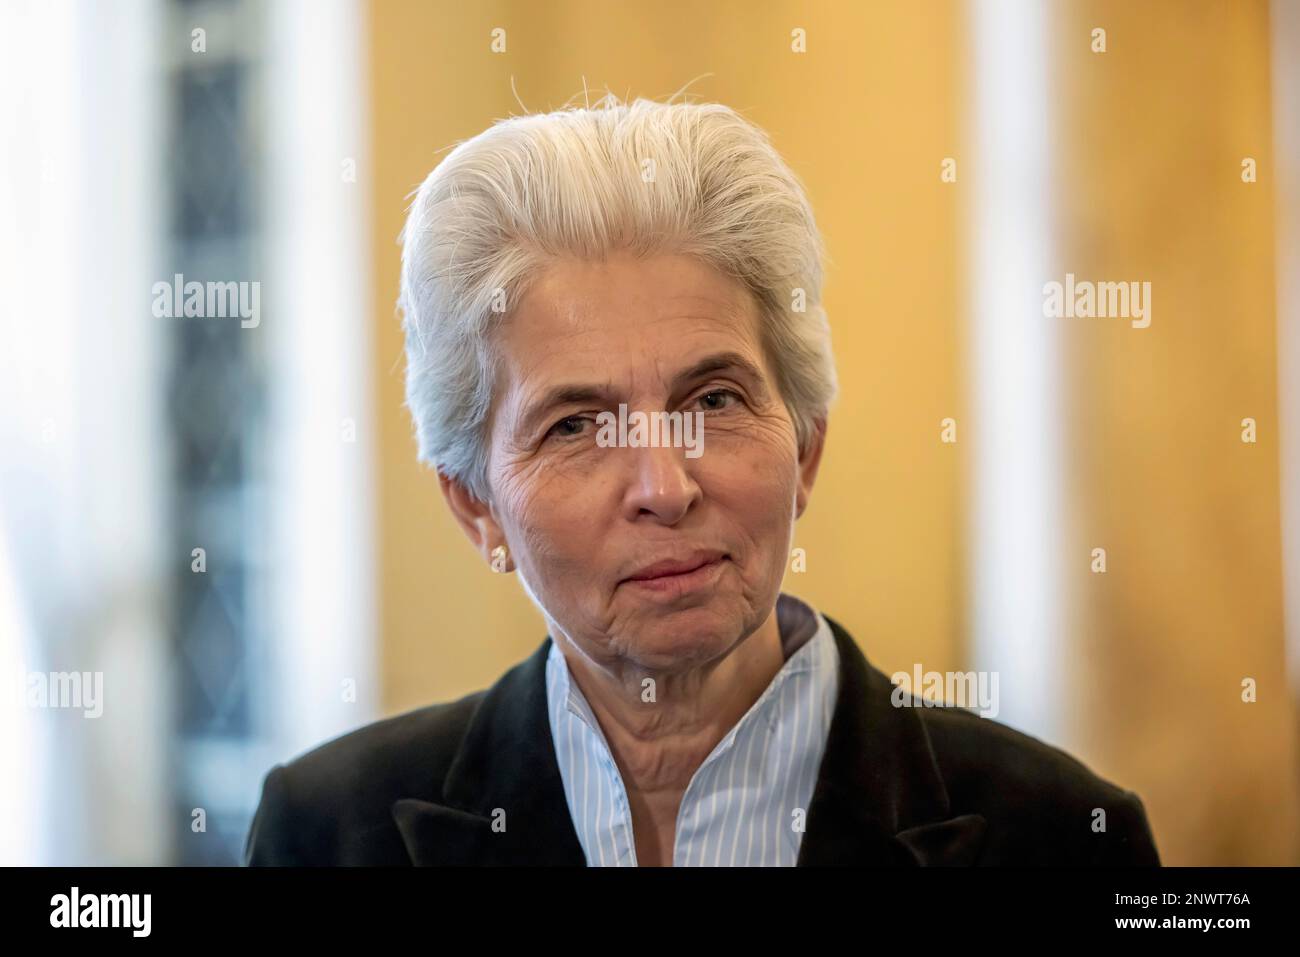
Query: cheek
(551,520)
(762,459)
(755,485)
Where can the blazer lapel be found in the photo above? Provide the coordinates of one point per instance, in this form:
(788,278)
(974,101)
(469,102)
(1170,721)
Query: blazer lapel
(879,798)
(503,799)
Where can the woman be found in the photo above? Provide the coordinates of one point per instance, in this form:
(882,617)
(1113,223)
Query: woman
(558,271)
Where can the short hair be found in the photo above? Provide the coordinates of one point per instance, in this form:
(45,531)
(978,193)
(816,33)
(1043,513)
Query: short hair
(689,178)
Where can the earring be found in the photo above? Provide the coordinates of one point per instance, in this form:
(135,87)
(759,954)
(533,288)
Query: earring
(499,556)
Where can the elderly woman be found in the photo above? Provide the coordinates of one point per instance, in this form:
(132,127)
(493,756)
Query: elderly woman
(558,271)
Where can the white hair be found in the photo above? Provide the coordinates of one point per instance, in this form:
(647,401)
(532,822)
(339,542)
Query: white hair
(692,179)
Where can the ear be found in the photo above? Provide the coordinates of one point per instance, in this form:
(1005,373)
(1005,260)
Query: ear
(809,462)
(474,516)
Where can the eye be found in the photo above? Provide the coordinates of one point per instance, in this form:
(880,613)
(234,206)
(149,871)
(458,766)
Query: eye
(716,400)
(567,427)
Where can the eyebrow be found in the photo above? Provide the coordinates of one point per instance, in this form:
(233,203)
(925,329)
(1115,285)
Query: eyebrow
(562,395)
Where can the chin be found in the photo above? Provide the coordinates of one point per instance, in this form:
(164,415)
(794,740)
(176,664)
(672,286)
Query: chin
(669,640)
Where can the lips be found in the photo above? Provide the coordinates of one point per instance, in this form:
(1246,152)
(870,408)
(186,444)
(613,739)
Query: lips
(672,567)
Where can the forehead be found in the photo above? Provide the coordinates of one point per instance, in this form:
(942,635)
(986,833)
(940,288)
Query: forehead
(624,317)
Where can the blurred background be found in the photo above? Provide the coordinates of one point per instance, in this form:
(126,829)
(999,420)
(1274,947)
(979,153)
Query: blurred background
(225,522)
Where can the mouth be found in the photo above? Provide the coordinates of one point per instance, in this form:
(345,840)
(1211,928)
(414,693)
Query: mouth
(676,576)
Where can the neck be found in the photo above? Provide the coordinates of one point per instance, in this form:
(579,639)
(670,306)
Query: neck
(659,746)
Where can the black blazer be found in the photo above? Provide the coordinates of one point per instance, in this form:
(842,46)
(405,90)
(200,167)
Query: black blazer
(897,786)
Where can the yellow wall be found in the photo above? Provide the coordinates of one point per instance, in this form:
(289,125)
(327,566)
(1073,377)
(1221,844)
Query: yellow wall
(1150,138)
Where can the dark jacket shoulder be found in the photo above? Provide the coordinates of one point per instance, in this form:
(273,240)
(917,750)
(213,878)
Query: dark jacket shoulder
(1042,805)
(333,804)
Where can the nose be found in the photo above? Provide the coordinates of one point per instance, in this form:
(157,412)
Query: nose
(660,484)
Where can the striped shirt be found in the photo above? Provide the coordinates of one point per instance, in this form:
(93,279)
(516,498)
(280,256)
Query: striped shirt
(746,805)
